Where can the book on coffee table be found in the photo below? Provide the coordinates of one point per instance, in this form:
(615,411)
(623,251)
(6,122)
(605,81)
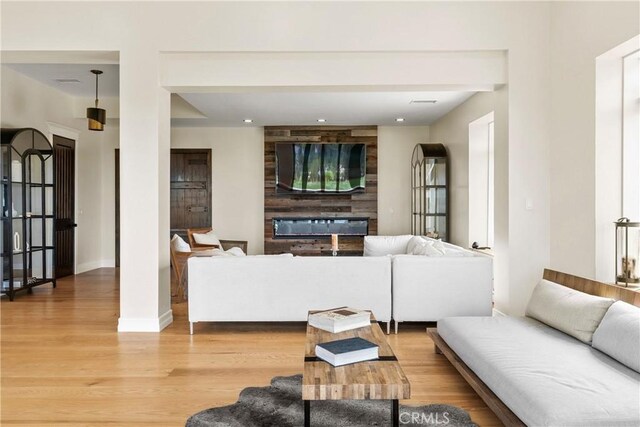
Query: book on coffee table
(347,351)
(340,319)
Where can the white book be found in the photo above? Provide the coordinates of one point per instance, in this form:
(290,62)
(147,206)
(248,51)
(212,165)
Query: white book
(340,319)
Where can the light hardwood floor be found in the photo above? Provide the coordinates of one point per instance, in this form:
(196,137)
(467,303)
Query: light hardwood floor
(63,362)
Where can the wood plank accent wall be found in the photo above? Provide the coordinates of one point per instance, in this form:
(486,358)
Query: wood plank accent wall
(319,205)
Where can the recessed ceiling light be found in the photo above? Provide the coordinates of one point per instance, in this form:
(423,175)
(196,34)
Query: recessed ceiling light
(399,119)
(423,101)
(248,121)
(322,120)
(67,80)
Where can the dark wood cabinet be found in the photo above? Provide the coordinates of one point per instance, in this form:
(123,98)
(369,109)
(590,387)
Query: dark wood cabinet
(28,210)
(430,191)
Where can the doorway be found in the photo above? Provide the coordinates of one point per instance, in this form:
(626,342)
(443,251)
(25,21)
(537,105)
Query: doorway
(481,182)
(64,167)
(190,190)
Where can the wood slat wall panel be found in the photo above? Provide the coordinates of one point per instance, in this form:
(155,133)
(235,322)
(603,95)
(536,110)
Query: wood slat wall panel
(593,287)
(324,205)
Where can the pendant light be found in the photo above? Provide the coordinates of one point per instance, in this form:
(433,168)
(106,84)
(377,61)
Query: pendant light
(97,116)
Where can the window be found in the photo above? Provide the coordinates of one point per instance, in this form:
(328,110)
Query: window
(481,181)
(617,149)
(631,136)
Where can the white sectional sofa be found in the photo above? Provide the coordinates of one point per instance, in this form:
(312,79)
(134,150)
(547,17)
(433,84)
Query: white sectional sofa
(451,281)
(285,288)
(573,361)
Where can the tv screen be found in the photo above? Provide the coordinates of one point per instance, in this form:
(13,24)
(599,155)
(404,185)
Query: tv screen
(320,168)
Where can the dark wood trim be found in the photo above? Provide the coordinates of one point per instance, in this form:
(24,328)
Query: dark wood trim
(493,402)
(593,287)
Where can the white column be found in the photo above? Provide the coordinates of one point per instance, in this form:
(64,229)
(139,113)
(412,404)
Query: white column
(144,194)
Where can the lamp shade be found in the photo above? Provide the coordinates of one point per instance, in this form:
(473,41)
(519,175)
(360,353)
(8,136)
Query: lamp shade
(97,118)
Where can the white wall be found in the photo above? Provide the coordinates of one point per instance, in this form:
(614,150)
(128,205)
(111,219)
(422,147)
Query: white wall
(29,103)
(395,147)
(453,131)
(523,29)
(238,169)
(237,160)
(580,32)
(108,193)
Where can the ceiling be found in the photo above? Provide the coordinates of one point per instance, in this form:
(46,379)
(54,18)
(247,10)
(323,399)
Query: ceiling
(305,108)
(263,108)
(86,82)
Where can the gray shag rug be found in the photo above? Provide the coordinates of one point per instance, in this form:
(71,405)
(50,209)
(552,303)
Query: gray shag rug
(280,405)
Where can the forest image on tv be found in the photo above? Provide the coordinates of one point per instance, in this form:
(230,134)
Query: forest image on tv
(331,168)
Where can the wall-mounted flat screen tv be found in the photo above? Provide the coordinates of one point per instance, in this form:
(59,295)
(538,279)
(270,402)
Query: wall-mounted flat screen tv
(320,168)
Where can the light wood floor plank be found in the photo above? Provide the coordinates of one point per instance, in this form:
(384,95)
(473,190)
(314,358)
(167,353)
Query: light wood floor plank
(63,363)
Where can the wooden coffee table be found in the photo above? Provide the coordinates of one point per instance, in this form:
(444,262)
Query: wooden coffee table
(381,379)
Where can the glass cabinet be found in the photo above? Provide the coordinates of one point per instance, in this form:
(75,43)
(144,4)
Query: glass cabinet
(28,226)
(430,191)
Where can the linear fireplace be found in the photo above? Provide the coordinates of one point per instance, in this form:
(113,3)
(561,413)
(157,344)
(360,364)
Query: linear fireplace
(312,228)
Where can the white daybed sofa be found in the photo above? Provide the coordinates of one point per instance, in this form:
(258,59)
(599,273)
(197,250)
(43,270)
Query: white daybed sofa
(285,288)
(449,281)
(577,365)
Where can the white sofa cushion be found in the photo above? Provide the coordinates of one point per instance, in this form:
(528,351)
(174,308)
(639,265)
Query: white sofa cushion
(386,245)
(414,242)
(179,245)
(285,288)
(209,238)
(428,288)
(427,248)
(619,334)
(572,312)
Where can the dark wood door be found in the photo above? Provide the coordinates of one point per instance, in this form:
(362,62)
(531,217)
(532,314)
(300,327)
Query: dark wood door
(190,192)
(190,189)
(117,207)
(65,178)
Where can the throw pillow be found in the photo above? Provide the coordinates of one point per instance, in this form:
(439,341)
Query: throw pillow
(619,334)
(220,252)
(386,245)
(426,248)
(179,245)
(209,238)
(236,251)
(205,253)
(572,312)
(415,241)
(439,246)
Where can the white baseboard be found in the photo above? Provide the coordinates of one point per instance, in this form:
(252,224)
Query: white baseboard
(145,325)
(497,312)
(92,265)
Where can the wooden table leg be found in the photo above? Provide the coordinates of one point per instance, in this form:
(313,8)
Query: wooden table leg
(307,413)
(395,413)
